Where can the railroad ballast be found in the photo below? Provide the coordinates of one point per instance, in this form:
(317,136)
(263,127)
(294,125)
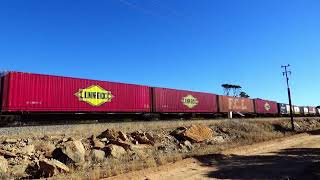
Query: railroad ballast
(37,93)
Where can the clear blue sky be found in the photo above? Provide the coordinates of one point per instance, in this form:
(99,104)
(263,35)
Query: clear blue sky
(184,44)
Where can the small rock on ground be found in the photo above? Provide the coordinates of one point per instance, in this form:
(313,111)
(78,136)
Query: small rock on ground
(115,151)
(49,168)
(97,155)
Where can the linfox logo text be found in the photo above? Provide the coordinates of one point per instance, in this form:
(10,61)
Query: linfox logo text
(190,101)
(267,106)
(94,95)
(237,103)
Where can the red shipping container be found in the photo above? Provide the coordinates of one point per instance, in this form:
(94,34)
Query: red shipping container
(175,101)
(235,104)
(46,93)
(265,106)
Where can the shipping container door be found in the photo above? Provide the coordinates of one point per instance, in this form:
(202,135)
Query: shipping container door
(5,91)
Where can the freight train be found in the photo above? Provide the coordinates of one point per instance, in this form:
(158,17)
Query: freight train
(24,94)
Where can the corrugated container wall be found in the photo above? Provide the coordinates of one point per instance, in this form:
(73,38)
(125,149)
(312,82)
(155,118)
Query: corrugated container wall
(288,108)
(265,106)
(34,92)
(304,110)
(172,100)
(235,104)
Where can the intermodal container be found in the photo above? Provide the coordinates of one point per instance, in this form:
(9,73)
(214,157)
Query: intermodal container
(318,111)
(235,104)
(265,107)
(296,110)
(283,108)
(312,110)
(179,101)
(288,108)
(304,110)
(45,93)
(301,110)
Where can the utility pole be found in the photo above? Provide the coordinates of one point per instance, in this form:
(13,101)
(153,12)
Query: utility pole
(285,73)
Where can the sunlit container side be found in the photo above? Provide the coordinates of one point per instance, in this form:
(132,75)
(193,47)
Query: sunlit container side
(45,93)
(235,104)
(288,108)
(296,110)
(265,106)
(318,111)
(283,108)
(301,110)
(312,110)
(179,101)
(304,110)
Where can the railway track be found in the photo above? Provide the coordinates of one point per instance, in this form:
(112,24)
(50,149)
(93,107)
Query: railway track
(68,121)
(47,121)
(89,126)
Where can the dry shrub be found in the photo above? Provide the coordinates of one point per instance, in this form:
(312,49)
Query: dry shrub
(249,131)
(95,174)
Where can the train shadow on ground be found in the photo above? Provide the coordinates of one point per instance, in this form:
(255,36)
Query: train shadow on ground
(293,163)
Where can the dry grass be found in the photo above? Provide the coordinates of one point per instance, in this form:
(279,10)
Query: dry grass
(239,132)
(114,167)
(85,130)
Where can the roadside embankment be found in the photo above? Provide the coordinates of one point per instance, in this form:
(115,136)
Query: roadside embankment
(105,150)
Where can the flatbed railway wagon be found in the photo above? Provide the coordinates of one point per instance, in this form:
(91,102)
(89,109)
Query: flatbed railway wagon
(27,93)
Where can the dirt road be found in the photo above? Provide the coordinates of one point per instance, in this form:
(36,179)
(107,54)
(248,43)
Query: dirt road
(293,157)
